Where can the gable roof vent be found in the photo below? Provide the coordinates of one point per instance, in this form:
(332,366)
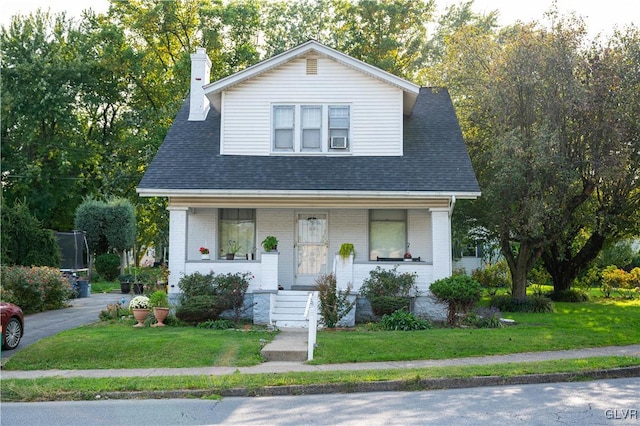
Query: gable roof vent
(312,66)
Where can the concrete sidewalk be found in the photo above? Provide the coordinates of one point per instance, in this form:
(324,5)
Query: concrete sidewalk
(292,366)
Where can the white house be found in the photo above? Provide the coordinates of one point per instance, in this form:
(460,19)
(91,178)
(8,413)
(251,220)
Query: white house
(318,149)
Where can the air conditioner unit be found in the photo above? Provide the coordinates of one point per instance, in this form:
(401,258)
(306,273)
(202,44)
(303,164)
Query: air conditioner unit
(338,142)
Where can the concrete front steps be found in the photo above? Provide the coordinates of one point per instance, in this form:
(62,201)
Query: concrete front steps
(288,309)
(291,343)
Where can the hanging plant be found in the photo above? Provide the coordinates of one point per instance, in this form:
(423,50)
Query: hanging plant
(346,250)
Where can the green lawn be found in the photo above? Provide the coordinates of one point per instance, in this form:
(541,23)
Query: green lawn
(601,322)
(597,323)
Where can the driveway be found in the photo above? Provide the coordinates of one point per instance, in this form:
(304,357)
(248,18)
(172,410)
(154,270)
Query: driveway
(81,311)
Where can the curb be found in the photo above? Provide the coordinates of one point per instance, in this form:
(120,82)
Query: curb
(384,386)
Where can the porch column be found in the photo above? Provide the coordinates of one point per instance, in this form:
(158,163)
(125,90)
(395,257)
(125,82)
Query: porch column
(441,243)
(177,246)
(269,271)
(344,272)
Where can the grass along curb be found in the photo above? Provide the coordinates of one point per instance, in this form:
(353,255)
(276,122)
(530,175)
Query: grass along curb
(66,389)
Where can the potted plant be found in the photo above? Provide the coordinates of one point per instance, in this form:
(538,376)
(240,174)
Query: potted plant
(270,243)
(407,254)
(159,301)
(346,250)
(139,306)
(125,283)
(232,248)
(204,253)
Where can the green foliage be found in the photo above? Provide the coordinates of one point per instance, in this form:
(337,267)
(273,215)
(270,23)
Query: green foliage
(573,295)
(108,225)
(388,282)
(384,305)
(401,320)
(484,318)
(205,297)
(34,289)
(621,281)
(108,265)
(493,277)
(270,243)
(24,241)
(388,290)
(159,299)
(220,324)
(346,250)
(114,312)
(198,308)
(334,305)
(460,292)
(532,304)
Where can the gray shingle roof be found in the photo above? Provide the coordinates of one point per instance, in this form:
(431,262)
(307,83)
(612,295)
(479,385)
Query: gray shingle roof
(435,159)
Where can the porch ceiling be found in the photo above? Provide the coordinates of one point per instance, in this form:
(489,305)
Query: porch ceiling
(333,202)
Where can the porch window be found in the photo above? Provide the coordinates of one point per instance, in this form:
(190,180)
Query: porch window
(387,233)
(239,226)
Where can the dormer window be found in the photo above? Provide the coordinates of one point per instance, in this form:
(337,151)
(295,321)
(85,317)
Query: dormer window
(311,128)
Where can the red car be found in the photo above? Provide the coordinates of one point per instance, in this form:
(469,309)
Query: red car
(12,325)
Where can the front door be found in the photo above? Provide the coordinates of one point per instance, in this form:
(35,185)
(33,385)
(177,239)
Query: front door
(312,245)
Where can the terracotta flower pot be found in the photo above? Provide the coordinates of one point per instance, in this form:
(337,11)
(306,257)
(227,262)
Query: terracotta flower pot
(140,315)
(161,315)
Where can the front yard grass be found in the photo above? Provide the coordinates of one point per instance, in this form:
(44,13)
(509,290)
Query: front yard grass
(601,322)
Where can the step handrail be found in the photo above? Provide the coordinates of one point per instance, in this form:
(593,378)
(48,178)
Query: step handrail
(311,315)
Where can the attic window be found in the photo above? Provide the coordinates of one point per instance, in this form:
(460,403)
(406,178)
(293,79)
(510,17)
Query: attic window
(312,66)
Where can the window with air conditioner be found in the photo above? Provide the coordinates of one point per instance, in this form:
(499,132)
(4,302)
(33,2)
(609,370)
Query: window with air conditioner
(338,126)
(310,128)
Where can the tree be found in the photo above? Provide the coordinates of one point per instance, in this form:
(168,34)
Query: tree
(24,241)
(518,125)
(108,225)
(608,123)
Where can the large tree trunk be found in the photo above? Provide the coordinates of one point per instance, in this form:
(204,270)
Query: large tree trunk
(565,267)
(520,263)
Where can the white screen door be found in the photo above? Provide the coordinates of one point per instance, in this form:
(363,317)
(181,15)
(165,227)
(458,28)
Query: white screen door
(312,247)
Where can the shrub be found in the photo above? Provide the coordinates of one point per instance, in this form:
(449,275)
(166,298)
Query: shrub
(34,289)
(383,285)
(221,324)
(334,305)
(212,294)
(572,295)
(621,281)
(493,277)
(197,309)
(388,282)
(531,304)
(108,265)
(384,305)
(485,318)
(402,320)
(230,290)
(460,292)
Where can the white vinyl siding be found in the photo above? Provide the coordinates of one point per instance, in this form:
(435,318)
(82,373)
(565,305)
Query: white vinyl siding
(375,108)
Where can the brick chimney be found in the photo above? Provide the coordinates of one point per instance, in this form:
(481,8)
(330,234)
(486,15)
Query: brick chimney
(200,74)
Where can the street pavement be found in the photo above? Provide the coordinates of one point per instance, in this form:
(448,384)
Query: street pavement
(86,310)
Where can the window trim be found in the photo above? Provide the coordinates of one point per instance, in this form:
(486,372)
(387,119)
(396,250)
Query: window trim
(405,220)
(298,129)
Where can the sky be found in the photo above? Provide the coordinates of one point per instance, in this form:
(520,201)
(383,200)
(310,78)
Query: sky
(600,16)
